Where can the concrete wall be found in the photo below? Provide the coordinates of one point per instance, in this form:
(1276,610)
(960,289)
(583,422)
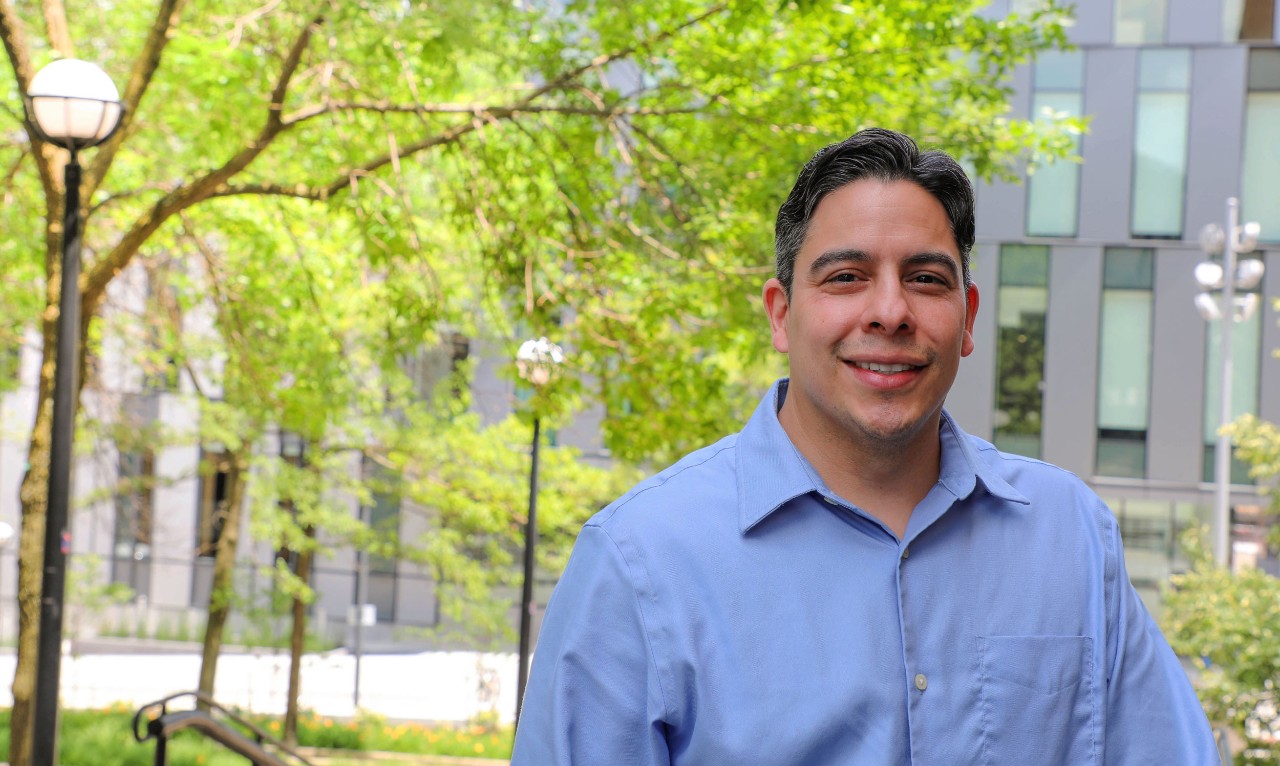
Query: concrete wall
(1174,436)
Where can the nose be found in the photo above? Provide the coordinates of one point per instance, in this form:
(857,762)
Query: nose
(887,309)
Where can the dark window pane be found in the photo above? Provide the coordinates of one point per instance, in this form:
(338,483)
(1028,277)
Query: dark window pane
(1024,265)
(1122,453)
(1128,268)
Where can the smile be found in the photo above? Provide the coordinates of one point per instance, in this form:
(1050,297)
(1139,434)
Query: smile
(886,369)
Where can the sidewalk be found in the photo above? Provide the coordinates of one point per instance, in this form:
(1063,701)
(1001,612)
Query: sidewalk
(427,686)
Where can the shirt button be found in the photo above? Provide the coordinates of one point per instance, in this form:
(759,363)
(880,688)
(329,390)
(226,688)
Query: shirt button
(830,500)
(906,552)
(922,683)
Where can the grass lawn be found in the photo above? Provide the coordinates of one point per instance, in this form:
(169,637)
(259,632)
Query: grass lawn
(105,738)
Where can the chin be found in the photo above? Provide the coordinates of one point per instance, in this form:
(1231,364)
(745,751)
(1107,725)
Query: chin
(890,431)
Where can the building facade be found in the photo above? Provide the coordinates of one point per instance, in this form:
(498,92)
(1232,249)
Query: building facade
(1090,351)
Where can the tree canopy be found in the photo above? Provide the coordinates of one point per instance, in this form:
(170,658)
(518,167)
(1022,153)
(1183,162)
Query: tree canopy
(604,175)
(348,181)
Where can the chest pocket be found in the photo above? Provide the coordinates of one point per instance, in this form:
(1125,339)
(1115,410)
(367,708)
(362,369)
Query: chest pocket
(1037,702)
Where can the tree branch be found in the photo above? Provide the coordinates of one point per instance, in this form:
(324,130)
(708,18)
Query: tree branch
(500,112)
(216,182)
(101,273)
(276,107)
(18,48)
(55,22)
(144,68)
(607,58)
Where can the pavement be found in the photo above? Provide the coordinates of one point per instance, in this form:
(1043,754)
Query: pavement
(432,686)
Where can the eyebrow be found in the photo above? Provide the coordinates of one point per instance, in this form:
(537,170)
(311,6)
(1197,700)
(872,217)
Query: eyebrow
(926,258)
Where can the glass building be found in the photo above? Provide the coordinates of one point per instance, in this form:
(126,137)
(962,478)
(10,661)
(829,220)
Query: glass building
(1090,353)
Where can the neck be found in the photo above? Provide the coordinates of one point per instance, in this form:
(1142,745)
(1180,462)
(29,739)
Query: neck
(886,478)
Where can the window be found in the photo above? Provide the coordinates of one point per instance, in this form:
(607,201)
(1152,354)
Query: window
(1053,190)
(384,517)
(1124,366)
(1246,359)
(293,450)
(1160,143)
(1022,306)
(1248,20)
(134,502)
(1140,22)
(433,365)
(162,322)
(216,476)
(1261,173)
(1151,530)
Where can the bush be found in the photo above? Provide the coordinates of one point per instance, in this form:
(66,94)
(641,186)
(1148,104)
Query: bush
(1229,624)
(105,738)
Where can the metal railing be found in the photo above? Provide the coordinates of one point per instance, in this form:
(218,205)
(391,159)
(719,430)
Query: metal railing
(156,721)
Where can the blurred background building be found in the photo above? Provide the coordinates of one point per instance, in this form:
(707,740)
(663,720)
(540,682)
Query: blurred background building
(1090,351)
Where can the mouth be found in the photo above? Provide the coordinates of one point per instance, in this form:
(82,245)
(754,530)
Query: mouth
(885,369)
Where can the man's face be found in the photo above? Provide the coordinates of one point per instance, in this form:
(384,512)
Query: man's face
(877,319)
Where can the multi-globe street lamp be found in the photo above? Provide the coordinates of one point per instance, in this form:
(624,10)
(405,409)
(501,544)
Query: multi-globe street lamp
(74,105)
(536,361)
(1221,282)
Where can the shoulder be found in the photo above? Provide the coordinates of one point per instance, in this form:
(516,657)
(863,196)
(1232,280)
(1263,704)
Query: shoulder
(701,483)
(1046,487)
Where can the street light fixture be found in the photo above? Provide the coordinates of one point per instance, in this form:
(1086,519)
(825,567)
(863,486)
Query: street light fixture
(536,361)
(74,105)
(1227,277)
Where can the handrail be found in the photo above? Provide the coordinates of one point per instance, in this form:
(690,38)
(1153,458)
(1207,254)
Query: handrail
(251,744)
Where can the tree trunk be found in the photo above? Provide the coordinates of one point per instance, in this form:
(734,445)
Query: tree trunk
(34,499)
(224,564)
(34,496)
(296,640)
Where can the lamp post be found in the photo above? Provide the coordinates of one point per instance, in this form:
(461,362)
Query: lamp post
(536,362)
(74,105)
(1226,276)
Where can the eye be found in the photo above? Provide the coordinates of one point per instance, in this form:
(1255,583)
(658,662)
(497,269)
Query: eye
(843,277)
(930,279)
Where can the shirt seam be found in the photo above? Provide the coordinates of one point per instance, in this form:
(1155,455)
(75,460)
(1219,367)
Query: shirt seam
(659,481)
(667,712)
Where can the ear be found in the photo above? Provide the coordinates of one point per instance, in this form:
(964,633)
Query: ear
(777,306)
(970,313)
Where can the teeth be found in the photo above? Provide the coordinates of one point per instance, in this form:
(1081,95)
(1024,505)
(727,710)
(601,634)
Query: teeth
(885,368)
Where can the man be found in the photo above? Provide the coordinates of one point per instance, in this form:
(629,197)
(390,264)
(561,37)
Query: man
(852,579)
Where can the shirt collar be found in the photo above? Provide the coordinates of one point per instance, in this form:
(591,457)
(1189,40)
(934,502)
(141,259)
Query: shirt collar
(771,471)
(963,469)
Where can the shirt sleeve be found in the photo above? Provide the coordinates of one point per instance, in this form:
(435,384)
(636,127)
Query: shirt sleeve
(1153,715)
(593,695)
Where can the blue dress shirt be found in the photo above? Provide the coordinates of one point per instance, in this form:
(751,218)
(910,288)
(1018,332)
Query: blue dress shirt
(732,610)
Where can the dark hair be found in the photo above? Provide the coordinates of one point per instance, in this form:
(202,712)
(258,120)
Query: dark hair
(883,155)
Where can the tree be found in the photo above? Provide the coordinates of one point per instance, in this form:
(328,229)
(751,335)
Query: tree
(609,172)
(1228,624)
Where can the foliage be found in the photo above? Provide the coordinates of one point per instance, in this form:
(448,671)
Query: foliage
(88,592)
(1257,443)
(373,733)
(104,738)
(472,483)
(1229,624)
(604,178)
(1020,349)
